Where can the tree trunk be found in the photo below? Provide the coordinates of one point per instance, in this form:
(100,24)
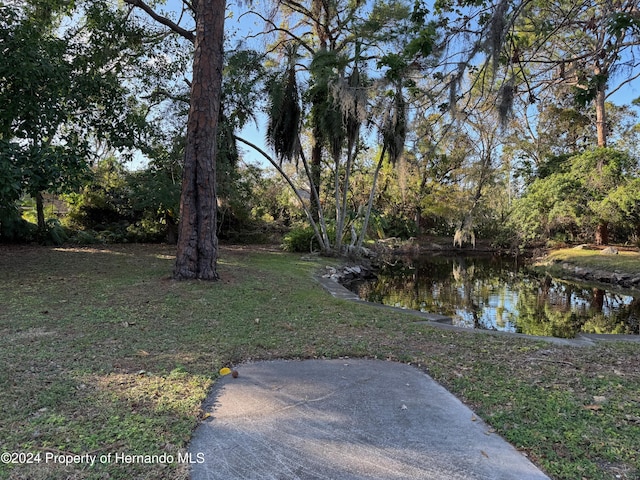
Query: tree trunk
(602,231)
(171,228)
(602,234)
(316,169)
(601,116)
(197,239)
(40,211)
(336,187)
(365,223)
(417,218)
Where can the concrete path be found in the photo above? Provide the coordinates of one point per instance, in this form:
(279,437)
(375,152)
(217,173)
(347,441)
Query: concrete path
(345,419)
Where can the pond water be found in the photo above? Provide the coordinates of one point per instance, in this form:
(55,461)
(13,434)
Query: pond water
(497,293)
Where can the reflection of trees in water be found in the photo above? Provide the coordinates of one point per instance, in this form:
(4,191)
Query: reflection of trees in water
(539,317)
(597,300)
(620,319)
(461,272)
(563,309)
(464,281)
(485,289)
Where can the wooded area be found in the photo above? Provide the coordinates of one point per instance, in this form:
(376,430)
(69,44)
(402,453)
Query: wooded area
(474,120)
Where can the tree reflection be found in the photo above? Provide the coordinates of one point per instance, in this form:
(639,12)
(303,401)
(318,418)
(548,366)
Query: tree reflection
(493,293)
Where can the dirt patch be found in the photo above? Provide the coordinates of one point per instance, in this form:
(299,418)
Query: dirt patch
(26,335)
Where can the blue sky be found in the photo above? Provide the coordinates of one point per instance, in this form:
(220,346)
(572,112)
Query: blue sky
(240,25)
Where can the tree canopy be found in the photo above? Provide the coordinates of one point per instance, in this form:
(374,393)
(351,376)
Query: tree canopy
(467,119)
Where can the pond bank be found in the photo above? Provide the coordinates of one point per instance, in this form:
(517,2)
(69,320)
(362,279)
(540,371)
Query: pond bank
(602,276)
(440,321)
(492,293)
(617,266)
(614,265)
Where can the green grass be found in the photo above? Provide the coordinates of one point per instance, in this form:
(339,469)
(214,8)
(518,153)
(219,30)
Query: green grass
(103,353)
(626,261)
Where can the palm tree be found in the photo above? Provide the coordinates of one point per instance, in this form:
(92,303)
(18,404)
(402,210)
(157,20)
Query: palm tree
(393,132)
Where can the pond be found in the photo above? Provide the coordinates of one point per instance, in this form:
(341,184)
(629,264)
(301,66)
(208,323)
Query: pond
(498,293)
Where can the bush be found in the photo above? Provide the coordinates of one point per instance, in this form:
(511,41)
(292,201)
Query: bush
(400,226)
(13,228)
(147,230)
(300,239)
(84,237)
(53,233)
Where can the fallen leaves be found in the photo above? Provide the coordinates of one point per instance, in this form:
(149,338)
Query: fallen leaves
(226,371)
(598,400)
(593,407)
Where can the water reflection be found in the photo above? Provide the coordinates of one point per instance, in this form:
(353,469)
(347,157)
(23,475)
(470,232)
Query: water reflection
(496,293)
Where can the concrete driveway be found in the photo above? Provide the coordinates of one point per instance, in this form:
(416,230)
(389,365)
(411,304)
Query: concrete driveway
(345,419)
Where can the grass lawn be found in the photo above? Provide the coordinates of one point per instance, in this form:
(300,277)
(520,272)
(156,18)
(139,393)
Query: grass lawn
(626,261)
(102,353)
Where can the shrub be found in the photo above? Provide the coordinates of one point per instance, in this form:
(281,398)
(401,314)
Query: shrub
(53,233)
(84,237)
(13,228)
(300,239)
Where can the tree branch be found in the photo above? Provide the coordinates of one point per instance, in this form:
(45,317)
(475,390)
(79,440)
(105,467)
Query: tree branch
(163,20)
(622,84)
(275,28)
